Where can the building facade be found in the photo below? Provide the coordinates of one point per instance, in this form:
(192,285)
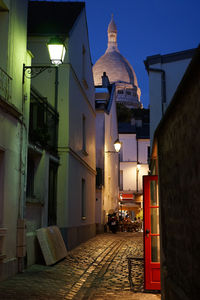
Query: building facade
(176,153)
(72,169)
(14,120)
(134,154)
(107,159)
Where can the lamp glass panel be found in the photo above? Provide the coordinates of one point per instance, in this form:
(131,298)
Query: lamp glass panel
(57,53)
(63,53)
(117,146)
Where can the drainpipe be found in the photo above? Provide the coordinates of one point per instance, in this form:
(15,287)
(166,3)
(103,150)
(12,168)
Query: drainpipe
(56,88)
(21,223)
(163,85)
(137,165)
(56,104)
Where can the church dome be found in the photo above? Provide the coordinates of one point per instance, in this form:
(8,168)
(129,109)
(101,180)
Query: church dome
(117,68)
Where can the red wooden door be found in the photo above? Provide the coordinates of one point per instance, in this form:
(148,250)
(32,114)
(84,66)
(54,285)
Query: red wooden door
(151,233)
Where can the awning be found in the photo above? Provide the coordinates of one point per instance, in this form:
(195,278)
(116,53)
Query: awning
(126,197)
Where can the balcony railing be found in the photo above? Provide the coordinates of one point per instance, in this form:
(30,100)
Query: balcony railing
(5,85)
(43,127)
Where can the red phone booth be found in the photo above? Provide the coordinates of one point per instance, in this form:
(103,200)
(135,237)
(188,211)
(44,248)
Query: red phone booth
(151,233)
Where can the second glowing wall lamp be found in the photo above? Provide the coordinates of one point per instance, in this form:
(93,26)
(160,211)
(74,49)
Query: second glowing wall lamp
(117,146)
(57,52)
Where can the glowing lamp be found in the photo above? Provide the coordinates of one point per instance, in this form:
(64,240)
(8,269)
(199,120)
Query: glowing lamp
(56,51)
(117,145)
(138,166)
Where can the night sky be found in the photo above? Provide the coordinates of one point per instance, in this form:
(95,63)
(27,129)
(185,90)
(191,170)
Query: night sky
(145,28)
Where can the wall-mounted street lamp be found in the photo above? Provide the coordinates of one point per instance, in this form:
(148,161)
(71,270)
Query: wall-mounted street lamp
(138,166)
(117,146)
(57,52)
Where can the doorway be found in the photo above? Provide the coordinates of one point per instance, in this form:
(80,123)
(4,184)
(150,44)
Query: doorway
(151,233)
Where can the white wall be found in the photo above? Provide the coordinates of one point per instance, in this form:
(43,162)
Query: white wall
(111,163)
(128,164)
(129,147)
(174,72)
(107,159)
(143,145)
(75,100)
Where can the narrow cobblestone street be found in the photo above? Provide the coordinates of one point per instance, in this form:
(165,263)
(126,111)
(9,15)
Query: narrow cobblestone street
(97,269)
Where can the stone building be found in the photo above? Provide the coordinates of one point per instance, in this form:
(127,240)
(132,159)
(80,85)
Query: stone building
(119,71)
(176,155)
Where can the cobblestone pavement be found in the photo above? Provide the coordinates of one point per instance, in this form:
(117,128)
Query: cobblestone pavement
(97,269)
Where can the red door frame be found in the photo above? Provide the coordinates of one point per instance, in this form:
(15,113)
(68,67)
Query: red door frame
(151,269)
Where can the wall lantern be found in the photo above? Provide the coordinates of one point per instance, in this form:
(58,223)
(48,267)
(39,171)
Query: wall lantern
(138,166)
(57,52)
(117,146)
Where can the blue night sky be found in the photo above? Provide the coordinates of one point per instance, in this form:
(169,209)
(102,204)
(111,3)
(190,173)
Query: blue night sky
(145,28)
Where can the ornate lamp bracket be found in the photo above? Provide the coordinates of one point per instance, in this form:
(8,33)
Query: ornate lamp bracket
(33,71)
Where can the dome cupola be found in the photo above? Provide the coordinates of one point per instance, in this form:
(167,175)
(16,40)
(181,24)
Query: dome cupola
(117,68)
(112,36)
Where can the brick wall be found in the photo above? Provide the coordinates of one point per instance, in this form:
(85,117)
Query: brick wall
(179,182)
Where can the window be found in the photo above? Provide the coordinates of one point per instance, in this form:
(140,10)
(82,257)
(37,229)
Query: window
(112,38)
(30,177)
(120,91)
(128,92)
(99,178)
(148,154)
(83,200)
(84,68)
(52,198)
(83,61)
(84,135)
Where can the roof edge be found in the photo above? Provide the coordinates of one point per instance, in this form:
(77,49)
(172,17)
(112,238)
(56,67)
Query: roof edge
(167,58)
